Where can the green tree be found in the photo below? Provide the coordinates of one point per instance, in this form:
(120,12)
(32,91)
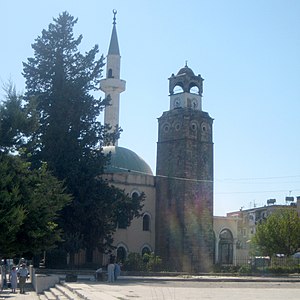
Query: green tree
(279,233)
(15,121)
(61,81)
(29,199)
(29,204)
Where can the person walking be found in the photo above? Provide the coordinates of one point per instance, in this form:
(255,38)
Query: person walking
(23,275)
(13,278)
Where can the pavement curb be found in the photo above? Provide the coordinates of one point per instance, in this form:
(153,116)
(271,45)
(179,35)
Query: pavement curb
(210,279)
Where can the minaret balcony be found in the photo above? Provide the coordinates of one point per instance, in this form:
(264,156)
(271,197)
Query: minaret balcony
(112,85)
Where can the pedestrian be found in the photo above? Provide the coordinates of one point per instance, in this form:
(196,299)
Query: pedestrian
(111,270)
(13,278)
(23,276)
(117,270)
(3,274)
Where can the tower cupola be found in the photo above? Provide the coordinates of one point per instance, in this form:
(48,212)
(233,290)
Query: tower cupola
(186,89)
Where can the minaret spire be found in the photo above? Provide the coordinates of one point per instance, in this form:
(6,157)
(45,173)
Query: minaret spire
(114,45)
(114,20)
(112,85)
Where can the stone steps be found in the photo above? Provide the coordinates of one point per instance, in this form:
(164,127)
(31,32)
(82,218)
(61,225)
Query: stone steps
(59,292)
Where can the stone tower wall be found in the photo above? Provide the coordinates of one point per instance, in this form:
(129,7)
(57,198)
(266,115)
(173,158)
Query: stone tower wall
(184,208)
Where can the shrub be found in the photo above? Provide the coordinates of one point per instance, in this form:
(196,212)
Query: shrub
(245,269)
(153,262)
(148,262)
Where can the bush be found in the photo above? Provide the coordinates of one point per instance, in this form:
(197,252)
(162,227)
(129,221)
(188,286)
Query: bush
(148,262)
(225,269)
(133,262)
(246,269)
(152,262)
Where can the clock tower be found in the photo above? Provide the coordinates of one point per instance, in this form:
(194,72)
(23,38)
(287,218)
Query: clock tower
(184,178)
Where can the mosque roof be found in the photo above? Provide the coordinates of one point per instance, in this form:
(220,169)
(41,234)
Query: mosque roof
(124,160)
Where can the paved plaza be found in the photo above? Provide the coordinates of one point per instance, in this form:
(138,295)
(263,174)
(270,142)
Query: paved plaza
(169,289)
(166,288)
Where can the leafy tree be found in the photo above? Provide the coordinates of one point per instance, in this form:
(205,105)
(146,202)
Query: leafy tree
(29,199)
(12,213)
(279,233)
(60,80)
(29,203)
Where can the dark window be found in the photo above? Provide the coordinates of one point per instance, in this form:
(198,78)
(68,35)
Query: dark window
(121,254)
(226,247)
(134,195)
(109,75)
(146,250)
(146,223)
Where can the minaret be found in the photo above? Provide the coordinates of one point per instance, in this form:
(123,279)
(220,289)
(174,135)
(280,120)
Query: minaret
(112,85)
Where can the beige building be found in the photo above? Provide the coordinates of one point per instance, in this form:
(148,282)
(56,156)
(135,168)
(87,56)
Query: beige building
(131,174)
(226,237)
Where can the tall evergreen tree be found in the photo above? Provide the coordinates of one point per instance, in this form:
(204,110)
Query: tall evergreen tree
(30,200)
(60,80)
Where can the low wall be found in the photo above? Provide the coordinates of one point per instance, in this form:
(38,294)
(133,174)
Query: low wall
(42,282)
(43,279)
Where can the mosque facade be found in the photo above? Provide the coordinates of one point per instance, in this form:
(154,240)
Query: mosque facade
(177,221)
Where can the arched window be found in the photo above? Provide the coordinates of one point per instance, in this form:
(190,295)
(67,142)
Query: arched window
(145,250)
(177,89)
(194,89)
(146,222)
(135,195)
(109,75)
(121,254)
(226,247)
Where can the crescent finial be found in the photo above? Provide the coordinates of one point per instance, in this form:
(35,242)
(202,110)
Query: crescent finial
(114,12)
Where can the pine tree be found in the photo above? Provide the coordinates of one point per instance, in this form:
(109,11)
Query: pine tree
(60,80)
(30,201)
(15,123)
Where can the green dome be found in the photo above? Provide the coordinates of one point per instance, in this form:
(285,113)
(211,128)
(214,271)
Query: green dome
(124,160)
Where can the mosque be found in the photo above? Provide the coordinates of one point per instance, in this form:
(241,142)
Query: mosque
(177,221)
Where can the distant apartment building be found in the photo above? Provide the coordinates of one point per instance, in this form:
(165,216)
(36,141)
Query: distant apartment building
(247,221)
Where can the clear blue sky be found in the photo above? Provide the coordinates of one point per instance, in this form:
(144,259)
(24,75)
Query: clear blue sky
(248,52)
